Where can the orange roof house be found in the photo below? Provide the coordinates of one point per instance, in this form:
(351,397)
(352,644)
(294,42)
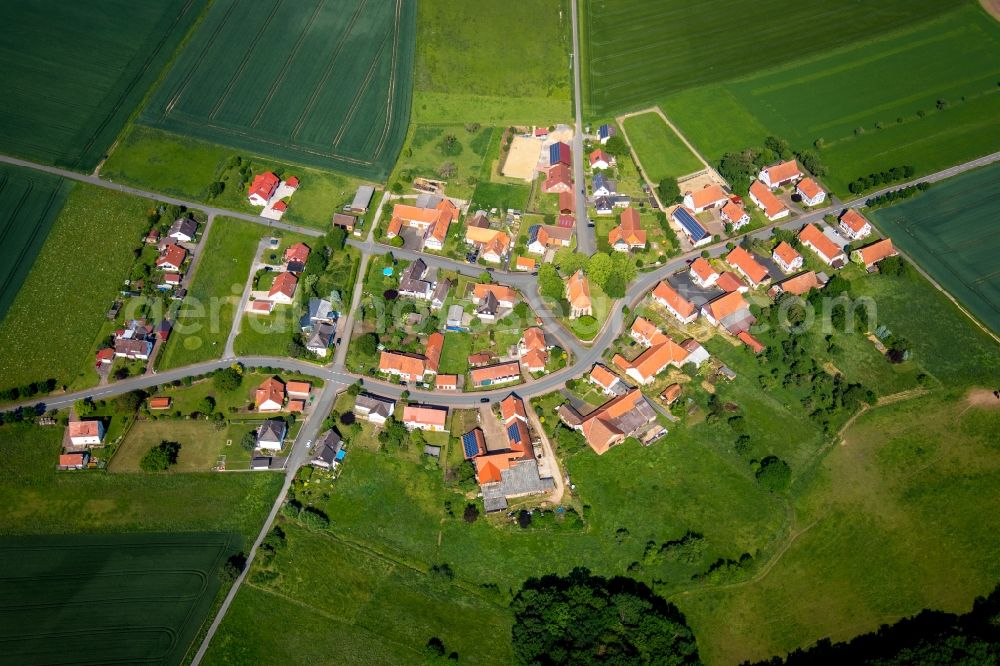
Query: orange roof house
(433,351)
(172,258)
(559,179)
(786,257)
(567,202)
(777,175)
(645,332)
(671,393)
(629,233)
(525,264)
(735,214)
(654,360)
(747,266)
(446,382)
(810,191)
(707,197)
(297,253)
(511,408)
(702,272)
(729,281)
(501,373)
(504,294)
(407,367)
(578,295)
(432,222)
(818,242)
(262,188)
(604,378)
(799,284)
(296,406)
(854,225)
(425,417)
(269,396)
(869,255)
(298,389)
(730,311)
(160,402)
(772,206)
(681,308)
(283,288)
(73,460)
(615,420)
(753,343)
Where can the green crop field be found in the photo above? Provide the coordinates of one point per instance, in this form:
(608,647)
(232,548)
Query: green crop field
(65,100)
(206,315)
(661,151)
(637,51)
(950,230)
(321,83)
(30,201)
(54,319)
(144,596)
(925,96)
(492,63)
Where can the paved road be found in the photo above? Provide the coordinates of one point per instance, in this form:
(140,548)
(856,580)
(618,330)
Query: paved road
(585,243)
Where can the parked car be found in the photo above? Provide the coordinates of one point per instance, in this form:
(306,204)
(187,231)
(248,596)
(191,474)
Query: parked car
(484,400)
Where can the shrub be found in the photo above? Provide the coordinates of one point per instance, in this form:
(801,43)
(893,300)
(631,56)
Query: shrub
(774,474)
(160,457)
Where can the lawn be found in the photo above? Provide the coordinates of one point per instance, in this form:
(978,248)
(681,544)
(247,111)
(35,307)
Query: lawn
(661,151)
(44,501)
(429,148)
(949,231)
(144,595)
(491,63)
(907,107)
(325,84)
(267,335)
(66,101)
(185,167)
(206,315)
(455,353)
(201,444)
(629,63)
(72,283)
(30,201)
(501,196)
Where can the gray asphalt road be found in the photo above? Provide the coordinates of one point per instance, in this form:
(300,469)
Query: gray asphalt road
(585,242)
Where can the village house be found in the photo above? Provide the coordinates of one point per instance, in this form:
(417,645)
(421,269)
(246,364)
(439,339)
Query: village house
(747,266)
(295,257)
(609,383)
(828,251)
(605,132)
(183,230)
(661,352)
(629,234)
(560,153)
(810,192)
(170,281)
(171,258)
(135,341)
(751,342)
(729,311)
(776,175)
(604,205)
(670,394)
(344,221)
(425,417)
(413,367)
(525,264)
(710,196)
(262,188)
(271,435)
(786,257)
(431,220)
(869,255)
(692,228)
(773,207)
(490,375)
(362,199)
(282,290)
(854,225)
(613,422)
(412,282)
(682,309)
(729,281)
(799,284)
(446,382)
(493,244)
(578,295)
(603,186)
(270,396)
(533,350)
(298,389)
(504,295)
(68,461)
(86,433)
(374,408)
(736,215)
(559,179)
(599,159)
(542,237)
(328,449)
(702,273)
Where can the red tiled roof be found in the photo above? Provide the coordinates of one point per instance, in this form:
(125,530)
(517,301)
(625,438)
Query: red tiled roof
(746,262)
(733,212)
(500,291)
(602,376)
(800,284)
(702,268)
(271,390)
(491,373)
(707,196)
(876,252)
(159,402)
(723,306)
(809,188)
(173,255)
(298,388)
(772,204)
(729,281)
(420,415)
(786,253)
(298,252)
(264,185)
(292,182)
(567,201)
(433,351)
(512,407)
(784,171)
(853,220)
(826,247)
(578,290)
(283,284)
(755,346)
(664,292)
(407,364)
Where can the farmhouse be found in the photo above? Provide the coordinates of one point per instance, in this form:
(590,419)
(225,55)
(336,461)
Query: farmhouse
(283,289)
(826,249)
(799,284)
(86,433)
(505,296)
(542,237)
(629,234)
(702,273)
(533,349)
(613,422)
(500,373)
(134,349)
(609,383)
(692,228)
(772,206)
(601,160)
(558,180)
(183,230)
(425,417)
(271,435)
(295,257)
(362,199)
(171,258)
(682,309)
(869,255)
(736,215)
(493,245)
(661,352)
(603,186)
(406,366)
(810,192)
(776,175)
(786,257)
(710,196)
(567,203)
(262,188)
(269,396)
(854,225)
(730,311)
(560,153)
(747,266)
(578,295)
(431,220)
(374,408)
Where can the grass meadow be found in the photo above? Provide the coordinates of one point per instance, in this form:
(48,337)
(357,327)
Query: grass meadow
(949,231)
(51,326)
(205,317)
(638,51)
(30,202)
(906,103)
(425,153)
(492,63)
(324,83)
(661,151)
(66,101)
(127,573)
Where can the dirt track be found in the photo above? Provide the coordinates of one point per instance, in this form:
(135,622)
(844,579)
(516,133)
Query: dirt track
(992,7)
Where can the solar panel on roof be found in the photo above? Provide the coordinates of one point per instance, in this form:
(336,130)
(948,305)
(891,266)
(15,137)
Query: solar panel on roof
(513,433)
(692,225)
(470,445)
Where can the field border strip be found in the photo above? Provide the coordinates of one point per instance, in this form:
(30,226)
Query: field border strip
(389,105)
(356,102)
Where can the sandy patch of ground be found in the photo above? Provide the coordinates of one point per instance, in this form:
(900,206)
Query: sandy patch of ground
(992,7)
(983,398)
(522,158)
(698,180)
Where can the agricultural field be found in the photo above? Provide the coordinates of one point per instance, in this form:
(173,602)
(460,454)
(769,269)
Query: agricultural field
(206,315)
(185,167)
(30,201)
(322,83)
(906,107)
(661,151)
(492,63)
(68,291)
(66,101)
(950,232)
(145,596)
(636,51)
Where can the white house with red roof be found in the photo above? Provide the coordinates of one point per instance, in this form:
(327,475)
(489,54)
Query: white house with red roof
(786,257)
(702,273)
(600,159)
(171,258)
(710,196)
(283,289)
(854,225)
(736,215)
(678,306)
(810,192)
(262,188)
(776,175)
